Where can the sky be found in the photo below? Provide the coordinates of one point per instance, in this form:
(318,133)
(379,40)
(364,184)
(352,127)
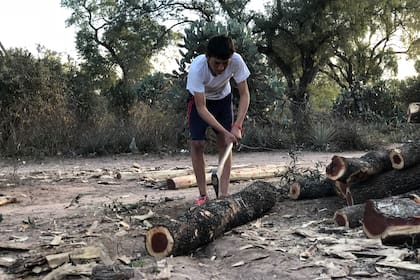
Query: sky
(28,23)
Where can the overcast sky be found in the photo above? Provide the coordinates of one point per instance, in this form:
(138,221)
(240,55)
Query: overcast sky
(27,23)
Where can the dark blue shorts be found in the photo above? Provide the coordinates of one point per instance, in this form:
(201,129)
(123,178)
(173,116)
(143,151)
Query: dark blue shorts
(221,109)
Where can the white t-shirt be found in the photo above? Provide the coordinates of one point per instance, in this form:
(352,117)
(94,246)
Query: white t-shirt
(200,78)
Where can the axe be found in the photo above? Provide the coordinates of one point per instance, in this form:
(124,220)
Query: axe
(216,174)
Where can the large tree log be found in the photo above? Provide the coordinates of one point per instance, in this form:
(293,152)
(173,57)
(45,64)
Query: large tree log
(203,224)
(247,173)
(413,112)
(350,216)
(390,183)
(405,156)
(310,188)
(394,220)
(348,170)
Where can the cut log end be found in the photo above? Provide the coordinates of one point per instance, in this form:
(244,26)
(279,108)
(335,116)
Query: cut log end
(159,242)
(336,168)
(340,219)
(170,183)
(396,159)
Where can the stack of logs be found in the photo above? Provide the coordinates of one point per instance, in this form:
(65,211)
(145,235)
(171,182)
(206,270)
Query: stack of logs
(380,189)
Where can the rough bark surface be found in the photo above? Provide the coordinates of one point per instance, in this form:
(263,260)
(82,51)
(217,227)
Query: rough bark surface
(390,183)
(405,156)
(350,216)
(394,220)
(311,188)
(112,272)
(203,224)
(350,170)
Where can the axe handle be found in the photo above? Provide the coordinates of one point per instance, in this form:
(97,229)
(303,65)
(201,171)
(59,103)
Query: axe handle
(223,160)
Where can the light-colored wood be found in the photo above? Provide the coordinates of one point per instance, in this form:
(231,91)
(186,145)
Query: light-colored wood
(247,173)
(6,200)
(413,112)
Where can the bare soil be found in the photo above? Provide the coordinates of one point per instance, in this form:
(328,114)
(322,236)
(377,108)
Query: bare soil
(66,197)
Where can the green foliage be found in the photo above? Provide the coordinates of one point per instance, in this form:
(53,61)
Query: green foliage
(33,103)
(323,92)
(367,103)
(118,37)
(321,135)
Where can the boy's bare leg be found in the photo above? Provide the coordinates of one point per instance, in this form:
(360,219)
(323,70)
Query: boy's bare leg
(199,165)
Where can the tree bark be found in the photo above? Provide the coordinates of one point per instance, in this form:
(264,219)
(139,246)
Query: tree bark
(340,189)
(394,220)
(204,223)
(405,156)
(350,216)
(413,112)
(112,272)
(311,188)
(247,173)
(349,170)
(383,185)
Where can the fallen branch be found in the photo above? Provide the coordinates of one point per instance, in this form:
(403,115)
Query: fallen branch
(247,173)
(311,188)
(350,170)
(203,224)
(7,199)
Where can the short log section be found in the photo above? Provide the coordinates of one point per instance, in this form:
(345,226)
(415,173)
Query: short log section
(394,221)
(311,188)
(405,156)
(349,170)
(350,216)
(202,224)
(413,112)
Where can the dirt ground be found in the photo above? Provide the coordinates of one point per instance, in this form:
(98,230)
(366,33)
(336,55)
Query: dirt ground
(93,201)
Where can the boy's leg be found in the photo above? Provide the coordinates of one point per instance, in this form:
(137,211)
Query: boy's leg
(197,131)
(199,165)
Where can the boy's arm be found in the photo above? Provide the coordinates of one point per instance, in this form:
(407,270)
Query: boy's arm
(242,109)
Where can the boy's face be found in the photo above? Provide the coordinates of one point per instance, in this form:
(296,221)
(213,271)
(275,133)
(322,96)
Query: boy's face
(217,65)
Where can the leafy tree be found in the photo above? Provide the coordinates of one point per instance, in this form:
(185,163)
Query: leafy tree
(123,34)
(33,102)
(364,58)
(300,38)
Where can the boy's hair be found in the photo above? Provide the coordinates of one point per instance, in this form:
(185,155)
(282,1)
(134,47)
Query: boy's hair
(220,46)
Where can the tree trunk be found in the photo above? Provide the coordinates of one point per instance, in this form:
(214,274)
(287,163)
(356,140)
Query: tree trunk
(405,156)
(350,216)
(394,220)
(387,184)
(204,223)
(311,188)
(247,173)
(413,112)
(349,170)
